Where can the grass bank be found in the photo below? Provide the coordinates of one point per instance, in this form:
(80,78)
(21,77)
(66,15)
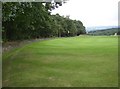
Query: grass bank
(84,61)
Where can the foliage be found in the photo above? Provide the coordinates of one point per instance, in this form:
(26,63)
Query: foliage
(27,20)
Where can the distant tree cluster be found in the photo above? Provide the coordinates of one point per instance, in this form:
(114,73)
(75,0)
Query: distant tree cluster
(29,20)
(110,31)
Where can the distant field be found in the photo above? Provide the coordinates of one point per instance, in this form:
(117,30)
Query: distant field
(104,32)
(84,61)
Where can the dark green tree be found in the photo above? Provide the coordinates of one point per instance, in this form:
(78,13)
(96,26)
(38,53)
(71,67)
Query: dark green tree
(28,20)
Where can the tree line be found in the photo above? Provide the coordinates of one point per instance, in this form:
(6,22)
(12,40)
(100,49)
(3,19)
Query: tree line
(108,32)
(30,20)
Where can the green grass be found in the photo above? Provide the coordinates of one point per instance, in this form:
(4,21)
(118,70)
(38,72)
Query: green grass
(84,61)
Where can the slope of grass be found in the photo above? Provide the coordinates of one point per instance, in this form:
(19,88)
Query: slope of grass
(84,61)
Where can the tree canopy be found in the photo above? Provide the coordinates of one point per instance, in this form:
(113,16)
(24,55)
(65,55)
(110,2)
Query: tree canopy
(28,20)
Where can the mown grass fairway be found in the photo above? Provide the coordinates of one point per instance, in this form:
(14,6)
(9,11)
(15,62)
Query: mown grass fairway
(84,61)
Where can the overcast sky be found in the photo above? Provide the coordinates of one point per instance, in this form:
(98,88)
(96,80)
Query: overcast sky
(91,12)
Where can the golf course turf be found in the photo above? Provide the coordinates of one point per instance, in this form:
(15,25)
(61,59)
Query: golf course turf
(83,61)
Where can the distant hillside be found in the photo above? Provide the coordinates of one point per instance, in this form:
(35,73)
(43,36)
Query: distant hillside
(99,28)
(109,31)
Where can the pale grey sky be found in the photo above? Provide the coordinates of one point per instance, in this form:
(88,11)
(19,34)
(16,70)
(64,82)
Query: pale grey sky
(91,12)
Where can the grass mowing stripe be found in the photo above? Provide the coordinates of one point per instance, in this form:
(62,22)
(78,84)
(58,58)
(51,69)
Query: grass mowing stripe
(84,61)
